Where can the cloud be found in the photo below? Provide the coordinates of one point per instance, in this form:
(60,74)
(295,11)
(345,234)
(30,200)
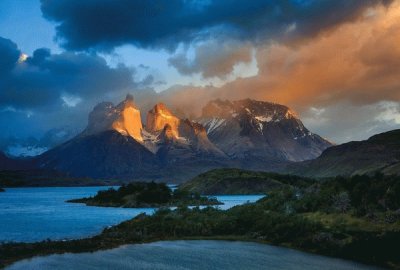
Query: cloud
(9,55)
(215,58)
(45,80)
(47,90)
(338,57)
(105,24)
(221,33)
(343,122)
(349,70)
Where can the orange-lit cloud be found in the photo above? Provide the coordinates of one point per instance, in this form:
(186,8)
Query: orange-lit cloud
(356,63)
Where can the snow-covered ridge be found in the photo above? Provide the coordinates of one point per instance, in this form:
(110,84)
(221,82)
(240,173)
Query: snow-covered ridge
(212,124)
(25,151)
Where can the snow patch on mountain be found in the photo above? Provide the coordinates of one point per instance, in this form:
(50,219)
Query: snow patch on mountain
(213,124)
(264,118)
(25,151)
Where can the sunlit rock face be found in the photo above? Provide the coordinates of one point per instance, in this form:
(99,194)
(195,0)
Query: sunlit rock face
(246,129)
(129,122)
(124,118)
(160,116)
(174,133)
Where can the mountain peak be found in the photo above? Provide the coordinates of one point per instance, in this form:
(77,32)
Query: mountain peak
(129,121)
(129,97)
(159,116)
(124,118)
(261,128)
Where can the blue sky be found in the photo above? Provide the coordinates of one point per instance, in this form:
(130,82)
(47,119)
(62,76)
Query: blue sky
(22,21)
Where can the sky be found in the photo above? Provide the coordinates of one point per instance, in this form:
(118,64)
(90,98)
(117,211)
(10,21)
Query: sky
(336,63)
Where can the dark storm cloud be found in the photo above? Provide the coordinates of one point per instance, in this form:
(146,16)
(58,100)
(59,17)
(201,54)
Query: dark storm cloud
(46,80)
(9,55)
(105,24)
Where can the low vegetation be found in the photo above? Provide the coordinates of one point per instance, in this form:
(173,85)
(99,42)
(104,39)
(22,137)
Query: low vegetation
(356,218)
(237,181)
(142,194)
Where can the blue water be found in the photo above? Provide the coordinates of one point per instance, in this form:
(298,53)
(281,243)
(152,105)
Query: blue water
(35,214)
(233,200)
(180,255)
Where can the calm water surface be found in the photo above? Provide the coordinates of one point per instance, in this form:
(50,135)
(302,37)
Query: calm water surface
(179,255)
(35,214)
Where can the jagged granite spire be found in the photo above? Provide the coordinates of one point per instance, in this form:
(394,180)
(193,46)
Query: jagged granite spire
(124,118)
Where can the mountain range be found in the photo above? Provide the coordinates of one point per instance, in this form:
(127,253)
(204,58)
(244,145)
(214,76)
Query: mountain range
(118,143)
(256,135)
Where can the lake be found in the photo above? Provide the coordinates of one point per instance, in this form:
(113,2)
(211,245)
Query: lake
(180,255)
(35,214)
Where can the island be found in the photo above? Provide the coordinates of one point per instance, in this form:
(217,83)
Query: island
(355,218)
(143,195)
(2,189)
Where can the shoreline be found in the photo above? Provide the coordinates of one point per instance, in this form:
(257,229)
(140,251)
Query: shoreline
(229,238)
(121,234)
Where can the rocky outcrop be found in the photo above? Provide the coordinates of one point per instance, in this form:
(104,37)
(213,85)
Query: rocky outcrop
(173,133)
(160,116)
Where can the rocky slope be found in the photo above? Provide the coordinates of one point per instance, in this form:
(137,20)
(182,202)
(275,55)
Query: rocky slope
(249,129)
(379,153)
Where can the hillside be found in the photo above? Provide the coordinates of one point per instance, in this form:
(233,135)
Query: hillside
(236,181)
(379,153)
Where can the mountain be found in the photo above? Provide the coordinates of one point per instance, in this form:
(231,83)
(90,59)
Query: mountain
(257,130)
(241,134)
(31,146)
(177,138)
(107,154)
(124,118)
(115,144)
(7,163)
(379,153)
